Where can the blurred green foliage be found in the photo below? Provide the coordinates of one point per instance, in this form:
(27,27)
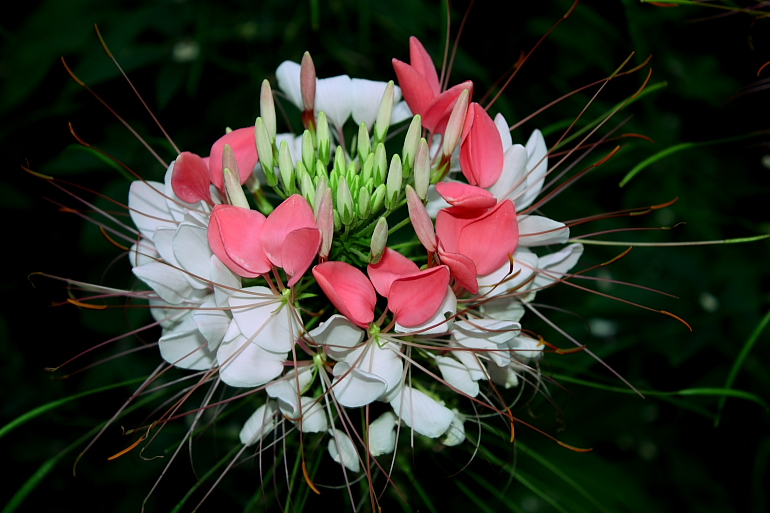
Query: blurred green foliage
(199,64)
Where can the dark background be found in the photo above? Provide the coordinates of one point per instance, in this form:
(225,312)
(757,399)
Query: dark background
(654,454)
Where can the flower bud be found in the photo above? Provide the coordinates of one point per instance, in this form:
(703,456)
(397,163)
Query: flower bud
(325,221)
(320,171)
(265,152)
(412,143)
(367,168)
(454,128)
(337,221)
(344,202)
(394,183)
(364,203)
(267,108)
(307,82)
(382,123)
(229,161)
(378,198)
(380,164)
(308,151)
(321,187)
(340,162)
(305,183)
(364,145)
(234,191)
(422,170)
(323,138)
(286,168)
(379,240)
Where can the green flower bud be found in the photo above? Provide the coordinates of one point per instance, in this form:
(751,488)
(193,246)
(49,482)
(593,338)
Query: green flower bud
(422,170)
(378,198)
(308,151)
(344,202)
(267,108)
(306,183)
(364,203)
(320,170)
(337,221)
(234,191)
(286,168)
(379,240)
(380,164)
(412,143)
(323,138)
(382,123)
(364,145)
(340,162)
(394,183)
(265,152)
(368,168)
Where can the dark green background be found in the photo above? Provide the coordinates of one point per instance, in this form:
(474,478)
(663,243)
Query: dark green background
(649,455)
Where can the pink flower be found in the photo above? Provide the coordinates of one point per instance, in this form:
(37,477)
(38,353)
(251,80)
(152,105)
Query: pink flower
(248,243)
(422,91)
(481,151)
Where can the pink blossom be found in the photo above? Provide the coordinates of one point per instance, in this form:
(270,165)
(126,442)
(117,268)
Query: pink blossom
(481,151)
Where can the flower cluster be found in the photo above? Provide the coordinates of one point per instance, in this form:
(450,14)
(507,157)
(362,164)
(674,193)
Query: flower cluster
(334,274)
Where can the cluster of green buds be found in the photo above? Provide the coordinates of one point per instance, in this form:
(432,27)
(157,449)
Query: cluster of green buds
(365,185)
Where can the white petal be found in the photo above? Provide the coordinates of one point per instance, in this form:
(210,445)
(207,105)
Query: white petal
(264,319)
(504,309)
(245,364)
(540,231)
(382,434)
(163,238)
(212,323)
(487,335)
(455,435)
(512,182)
(343,451)
(365,99)
(192,251)
(401,112)
(526,348)
(505,280)
(186,348)
(286,392)
(287,75)
(537,166)
(338,335)
(556,265)
(258,425)
(422,413)
(470,360)
(354,387)
(313,416)
(457,375)
(221,275)
(148,207)
(294,142)
(169,283)
(333,97)
(142,253)
(442,320)
(505,376)
(505,133)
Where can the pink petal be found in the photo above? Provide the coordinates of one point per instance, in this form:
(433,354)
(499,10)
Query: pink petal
(190,178)
(489,239)
(234,238)
(244,145)
(421,221)
(437,113)
(392,266)
(294,213)
(299,251)
(349,290)
(415,299)
(466,196)
(417,91)
(421,61)
(463,269)
(481,152)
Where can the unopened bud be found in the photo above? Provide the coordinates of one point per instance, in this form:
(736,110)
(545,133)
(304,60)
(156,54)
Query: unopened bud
(321,186)
(364,203)
(308,151)
(412,143)
(340,162)
(364,145)
(378,198)
(286,168)
(307,82)
(344,201)
(367,168)
(234,191)
(305,183)
(265,152)
(379,240)
(380,164)
(454,128)
(422,170)
(267,108)
(325,222)
(324,139)
(229,161)
(382,123)
(394,183)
